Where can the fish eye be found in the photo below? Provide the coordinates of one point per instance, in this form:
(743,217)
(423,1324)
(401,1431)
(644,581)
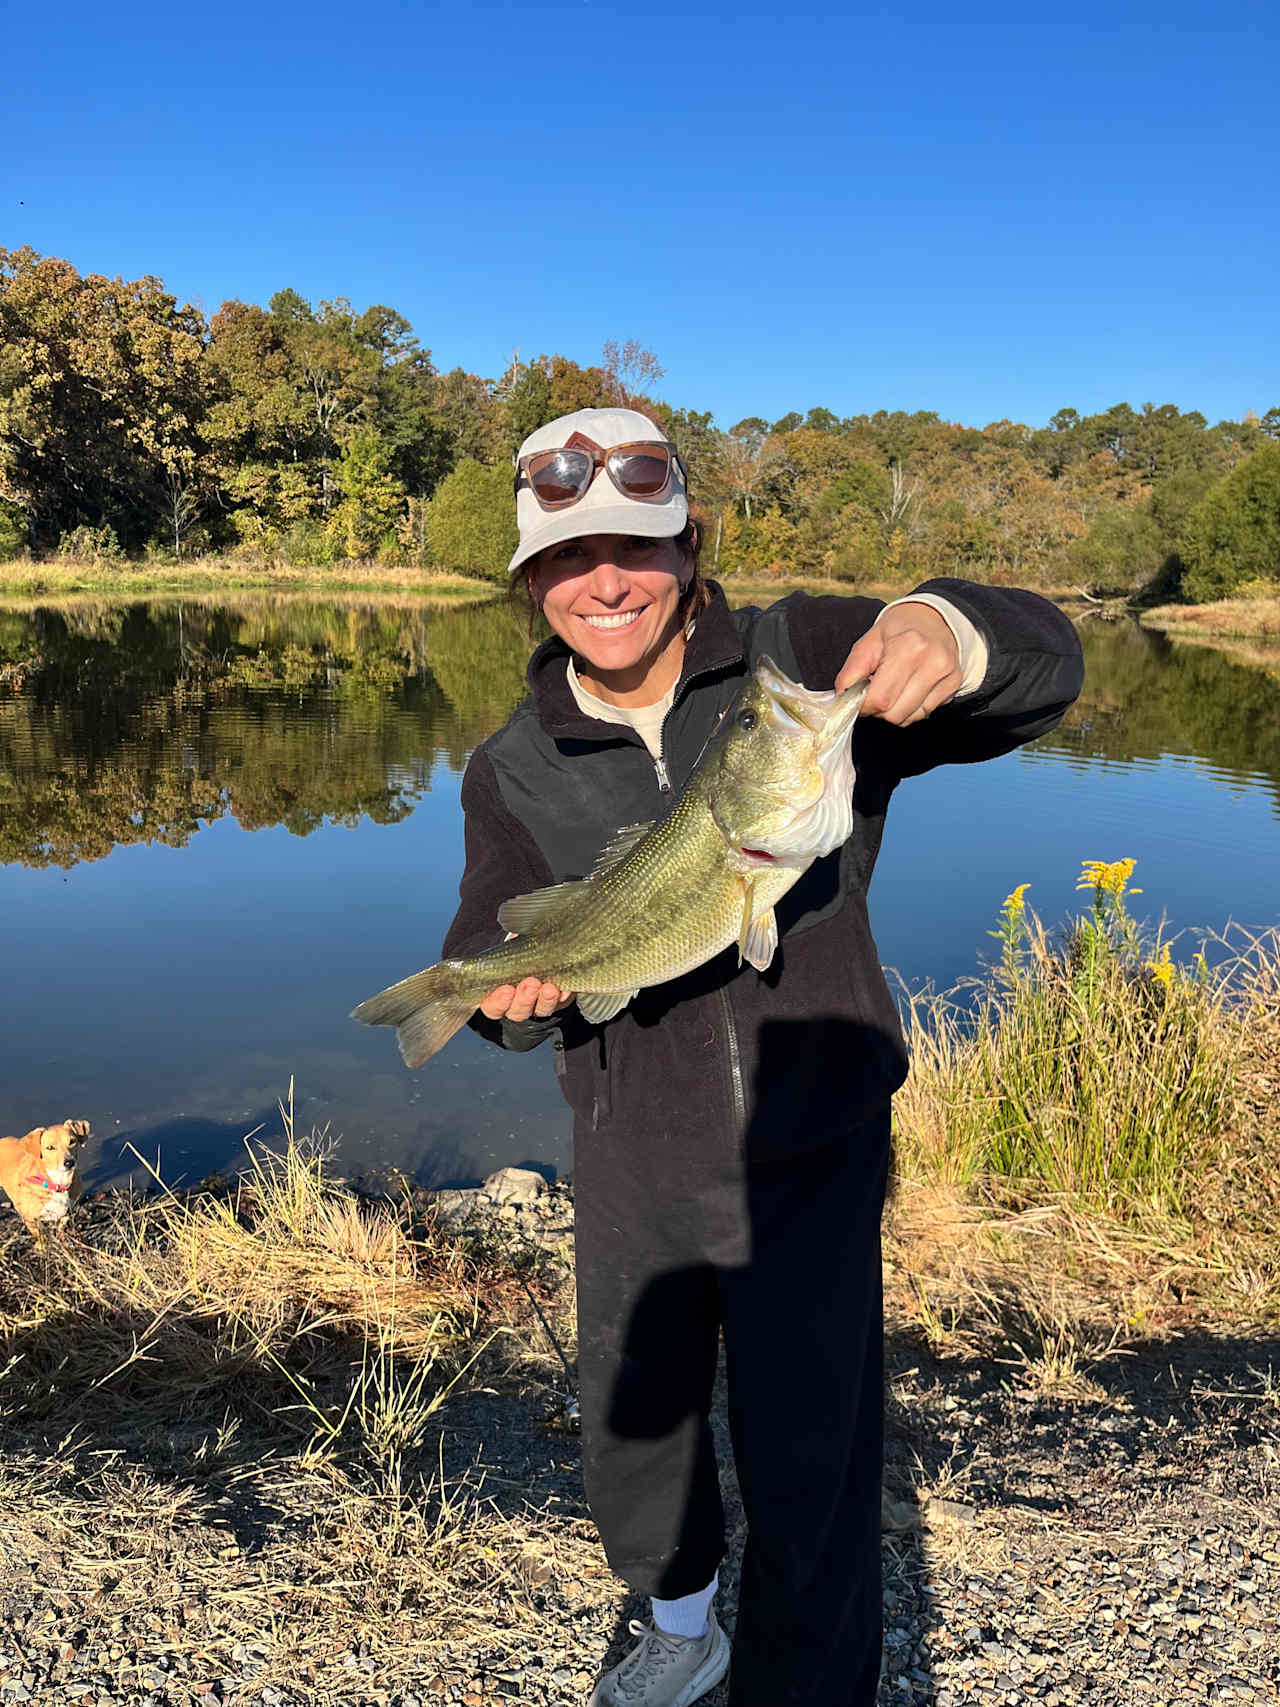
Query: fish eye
(747,718)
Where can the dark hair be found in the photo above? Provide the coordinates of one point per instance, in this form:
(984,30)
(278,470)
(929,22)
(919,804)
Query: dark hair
(693,601)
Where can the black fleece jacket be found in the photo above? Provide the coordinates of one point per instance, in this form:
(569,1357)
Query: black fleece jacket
(788,1058)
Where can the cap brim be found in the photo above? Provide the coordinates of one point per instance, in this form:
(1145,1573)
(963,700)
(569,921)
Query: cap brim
(629,516)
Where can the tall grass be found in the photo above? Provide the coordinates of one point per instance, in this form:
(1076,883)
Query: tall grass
(1090,1065)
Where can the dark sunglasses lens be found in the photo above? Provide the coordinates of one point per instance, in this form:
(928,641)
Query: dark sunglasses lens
(561,475)
(641,473)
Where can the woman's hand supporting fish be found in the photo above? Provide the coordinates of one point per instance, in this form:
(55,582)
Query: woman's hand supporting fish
(912,661)
(529,999)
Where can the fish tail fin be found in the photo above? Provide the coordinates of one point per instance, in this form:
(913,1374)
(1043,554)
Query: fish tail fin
(426,1010)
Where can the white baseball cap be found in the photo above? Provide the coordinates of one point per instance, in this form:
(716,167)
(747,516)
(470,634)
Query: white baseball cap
(602,509)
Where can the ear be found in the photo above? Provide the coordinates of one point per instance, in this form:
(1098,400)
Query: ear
(77,1128)
(36,1132)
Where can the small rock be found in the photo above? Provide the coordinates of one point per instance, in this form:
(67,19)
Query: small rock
(513,1185)
(455,1208)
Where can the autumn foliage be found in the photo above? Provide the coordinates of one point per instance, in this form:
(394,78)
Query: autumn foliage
(317,433)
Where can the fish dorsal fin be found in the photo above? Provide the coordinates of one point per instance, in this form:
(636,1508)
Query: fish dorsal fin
(599,1005)
(616,849)
(522,912)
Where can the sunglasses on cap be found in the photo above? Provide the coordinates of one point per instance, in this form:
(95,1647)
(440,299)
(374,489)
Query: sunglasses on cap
(563,476)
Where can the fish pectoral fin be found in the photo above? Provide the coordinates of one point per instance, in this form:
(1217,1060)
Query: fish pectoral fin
(758,938)
(616,849)
(522,912)
(599,1005)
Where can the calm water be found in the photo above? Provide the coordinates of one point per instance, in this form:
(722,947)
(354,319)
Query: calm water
(223,824)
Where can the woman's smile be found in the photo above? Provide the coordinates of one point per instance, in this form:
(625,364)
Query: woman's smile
(619,619)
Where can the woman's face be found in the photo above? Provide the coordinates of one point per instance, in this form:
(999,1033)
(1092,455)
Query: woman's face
(614,600)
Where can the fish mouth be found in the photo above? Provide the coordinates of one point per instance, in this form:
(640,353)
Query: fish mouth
(824,713)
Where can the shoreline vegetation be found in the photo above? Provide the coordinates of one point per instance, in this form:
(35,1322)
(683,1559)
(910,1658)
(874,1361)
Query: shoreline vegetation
(31,581)
(287,1439)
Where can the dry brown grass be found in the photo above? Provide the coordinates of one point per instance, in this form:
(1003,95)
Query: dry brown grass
(52,576)
(1253,618)
(224,1418)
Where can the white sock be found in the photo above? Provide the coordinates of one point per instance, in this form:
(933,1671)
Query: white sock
(688,1615)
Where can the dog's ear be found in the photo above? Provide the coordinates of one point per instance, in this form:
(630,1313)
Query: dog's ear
(36,1132)
(77,1128)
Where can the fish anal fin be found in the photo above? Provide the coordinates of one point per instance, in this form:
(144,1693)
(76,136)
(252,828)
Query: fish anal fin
(616,849)
(522,912)
(599,1005)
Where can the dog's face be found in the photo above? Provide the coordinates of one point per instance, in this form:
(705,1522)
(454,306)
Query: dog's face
(60,1145)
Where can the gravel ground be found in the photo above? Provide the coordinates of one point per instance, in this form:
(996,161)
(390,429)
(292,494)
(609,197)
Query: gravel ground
(1117,1548)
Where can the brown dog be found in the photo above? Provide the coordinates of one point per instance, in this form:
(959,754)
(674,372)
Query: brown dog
(38,1173)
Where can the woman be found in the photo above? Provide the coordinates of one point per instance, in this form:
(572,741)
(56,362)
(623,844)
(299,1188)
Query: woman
(731,1128)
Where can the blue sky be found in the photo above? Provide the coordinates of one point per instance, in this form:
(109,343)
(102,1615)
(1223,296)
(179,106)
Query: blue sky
(986,211)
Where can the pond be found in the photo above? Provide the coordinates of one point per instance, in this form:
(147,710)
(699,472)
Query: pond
(224,822)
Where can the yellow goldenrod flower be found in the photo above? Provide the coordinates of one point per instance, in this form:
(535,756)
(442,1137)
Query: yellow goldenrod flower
(1110,876)
(1014,903)
(1162,968)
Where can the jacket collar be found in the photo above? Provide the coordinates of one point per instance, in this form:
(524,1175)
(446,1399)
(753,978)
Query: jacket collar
(714,645)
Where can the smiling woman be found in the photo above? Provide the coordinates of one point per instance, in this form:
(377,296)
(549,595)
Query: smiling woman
(731,1125)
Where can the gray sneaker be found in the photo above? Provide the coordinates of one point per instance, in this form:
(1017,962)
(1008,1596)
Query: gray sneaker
(664,1671)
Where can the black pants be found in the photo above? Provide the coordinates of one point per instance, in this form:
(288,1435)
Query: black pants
(673,1246)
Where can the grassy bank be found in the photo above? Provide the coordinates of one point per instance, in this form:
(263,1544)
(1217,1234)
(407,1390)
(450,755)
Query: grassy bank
(1244,619)
(1106,1094)
(25,576)
(215,574)
(313,1441)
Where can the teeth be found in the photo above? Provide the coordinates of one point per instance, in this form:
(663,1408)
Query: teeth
(623,619)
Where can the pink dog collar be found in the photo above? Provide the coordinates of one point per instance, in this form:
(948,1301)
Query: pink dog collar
(48,1184)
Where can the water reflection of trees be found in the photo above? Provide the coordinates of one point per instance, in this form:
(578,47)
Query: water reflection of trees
(1146,696)
(135,723)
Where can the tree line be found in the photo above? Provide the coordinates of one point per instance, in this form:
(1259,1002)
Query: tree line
(309,433)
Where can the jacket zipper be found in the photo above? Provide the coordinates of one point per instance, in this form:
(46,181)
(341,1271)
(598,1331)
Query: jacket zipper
(664,780)
(735,1063)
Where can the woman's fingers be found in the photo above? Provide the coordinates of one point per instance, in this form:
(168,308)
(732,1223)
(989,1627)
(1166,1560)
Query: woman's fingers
(913,662)
(923,691)
(496,1003)
(525,1000)
(914,678)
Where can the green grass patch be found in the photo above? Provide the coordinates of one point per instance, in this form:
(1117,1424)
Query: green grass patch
(1094,1067)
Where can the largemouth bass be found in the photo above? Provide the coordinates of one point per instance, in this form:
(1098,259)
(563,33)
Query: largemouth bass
(772,793)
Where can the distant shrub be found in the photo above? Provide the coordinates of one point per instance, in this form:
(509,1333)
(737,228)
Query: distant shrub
(13,532)
(85,544)
(471,524)
(309,544)
(1233,535)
